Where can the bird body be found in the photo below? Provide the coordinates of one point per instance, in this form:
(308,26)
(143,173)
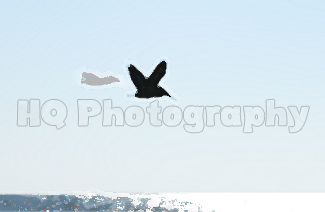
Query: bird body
(94,80)
(148,87)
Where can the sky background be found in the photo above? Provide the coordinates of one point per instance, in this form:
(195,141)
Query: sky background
(219,53)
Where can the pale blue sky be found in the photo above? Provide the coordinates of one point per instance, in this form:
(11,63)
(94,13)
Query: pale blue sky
(220,53)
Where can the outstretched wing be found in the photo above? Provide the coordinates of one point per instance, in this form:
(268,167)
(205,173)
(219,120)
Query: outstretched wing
(157,74)
(136,77)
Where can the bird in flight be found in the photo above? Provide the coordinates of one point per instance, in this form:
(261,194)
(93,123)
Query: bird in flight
(94,80)
(147,87)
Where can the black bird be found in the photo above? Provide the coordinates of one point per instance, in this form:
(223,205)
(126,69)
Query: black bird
(148,87)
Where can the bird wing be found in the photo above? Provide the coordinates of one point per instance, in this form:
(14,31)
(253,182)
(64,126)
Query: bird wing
(157,74)
(136,77)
